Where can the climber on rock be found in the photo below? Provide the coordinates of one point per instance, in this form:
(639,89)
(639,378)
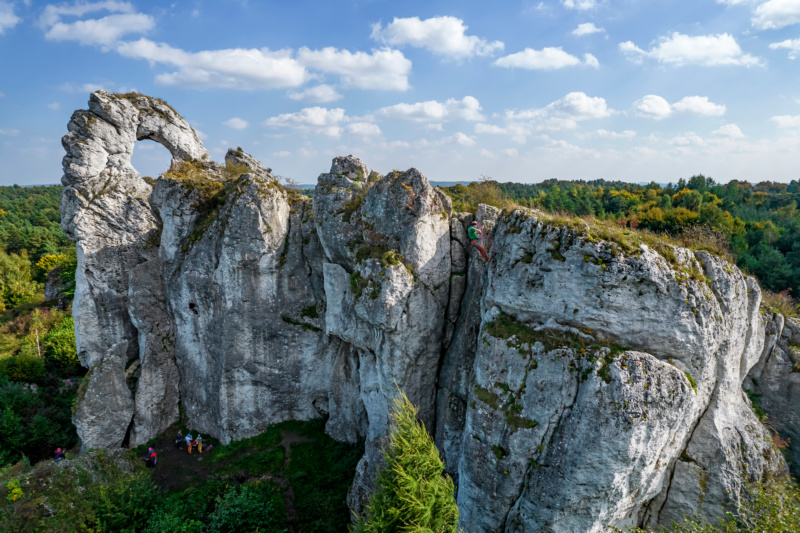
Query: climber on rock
(193,307)
(474,236)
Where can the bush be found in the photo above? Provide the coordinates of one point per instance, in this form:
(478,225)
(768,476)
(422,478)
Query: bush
(16,285)
(412,493)
(254,507)
(25,366)
(59,343)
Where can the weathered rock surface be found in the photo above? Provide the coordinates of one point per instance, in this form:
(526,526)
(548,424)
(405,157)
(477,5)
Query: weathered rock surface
(568,385)
(775,381)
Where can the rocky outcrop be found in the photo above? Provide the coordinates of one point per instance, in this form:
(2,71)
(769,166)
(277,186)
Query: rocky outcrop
(576,381)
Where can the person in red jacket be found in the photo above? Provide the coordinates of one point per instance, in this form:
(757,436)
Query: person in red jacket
(152,458)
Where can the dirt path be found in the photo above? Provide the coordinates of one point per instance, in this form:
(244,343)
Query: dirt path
(177,469)
(287,439)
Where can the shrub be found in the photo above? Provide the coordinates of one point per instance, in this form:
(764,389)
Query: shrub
(412,493)
(780,302)
(59,343)
(253,507)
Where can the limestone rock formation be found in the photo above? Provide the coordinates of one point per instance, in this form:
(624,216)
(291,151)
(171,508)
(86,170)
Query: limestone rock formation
(573,382)
(775,381)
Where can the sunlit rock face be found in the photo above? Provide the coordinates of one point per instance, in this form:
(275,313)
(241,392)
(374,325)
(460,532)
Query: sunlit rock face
(572,383)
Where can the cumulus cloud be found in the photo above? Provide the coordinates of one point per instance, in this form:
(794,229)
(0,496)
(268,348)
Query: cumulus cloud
(511,152)
(7,17)
(787,121)
(383,69)
(729,130)
(281,153)
(444,36)
(433,127)
(564,113)
(652,106)
(364,129)
(581,5)
(605,134)
(706,50)
(321,94)
(315,120)
(463,139)
(468,108)
(84,88)
(587,28)
(699,105)
(549,58)
(775,14)
(657,108)
(234,68)
(103,31)
(235,123)
(793,45)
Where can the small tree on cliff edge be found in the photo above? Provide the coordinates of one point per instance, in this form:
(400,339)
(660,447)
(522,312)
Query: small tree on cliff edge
(412,493)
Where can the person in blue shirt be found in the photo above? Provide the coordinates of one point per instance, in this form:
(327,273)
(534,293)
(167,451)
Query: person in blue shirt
(474,236)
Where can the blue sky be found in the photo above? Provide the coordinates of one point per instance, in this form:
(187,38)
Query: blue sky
(520,90)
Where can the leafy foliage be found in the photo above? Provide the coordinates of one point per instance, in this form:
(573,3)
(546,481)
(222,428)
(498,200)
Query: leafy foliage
(759,224)
(412,493)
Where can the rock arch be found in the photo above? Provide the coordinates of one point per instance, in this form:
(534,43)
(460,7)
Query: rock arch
(105,208)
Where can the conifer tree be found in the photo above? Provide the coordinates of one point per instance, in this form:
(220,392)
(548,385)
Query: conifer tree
(412,493)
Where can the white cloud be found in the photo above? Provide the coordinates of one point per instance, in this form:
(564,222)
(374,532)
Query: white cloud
(775,14)
(313,120)
(483,152)
(437,126)
(7,17)
(445,36)
(581,5)
(511,152)
(605,134)
(103,31)
(563,114)
(735,2)
(787,121)
(700,106)
(549,58)
(793,45)
(364,129)
(2,95)
(652,106)
(706,50)
(9,132)
(468,108)
(464,140)
(282,153)
(55,106)
(587,28)
(729,130)
(234,68)
(383,69)
(201,135)
(321,94)
(580,106)
(235,123)
(85,88)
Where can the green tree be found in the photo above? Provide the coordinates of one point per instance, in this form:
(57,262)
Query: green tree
(59,343)
(412,492)
(16,285)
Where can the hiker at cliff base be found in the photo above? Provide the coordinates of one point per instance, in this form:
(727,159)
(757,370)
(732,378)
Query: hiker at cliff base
(193,307)
(199,441)
(178,441)
(59,455)
(152,458)
(474,235)
(189,442)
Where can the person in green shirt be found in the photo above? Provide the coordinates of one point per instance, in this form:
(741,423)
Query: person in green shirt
(474,236)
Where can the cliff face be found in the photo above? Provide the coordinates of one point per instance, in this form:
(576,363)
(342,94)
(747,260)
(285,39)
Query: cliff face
(572,383)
